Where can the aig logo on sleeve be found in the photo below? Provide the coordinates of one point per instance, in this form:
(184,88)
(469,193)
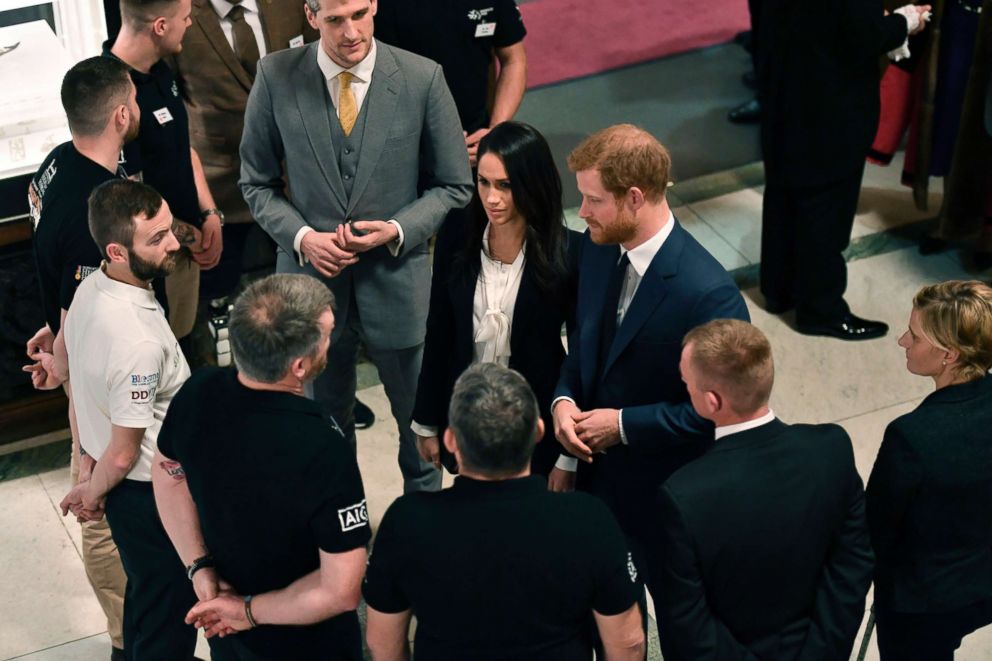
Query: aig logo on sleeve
(631,569)
(353,517)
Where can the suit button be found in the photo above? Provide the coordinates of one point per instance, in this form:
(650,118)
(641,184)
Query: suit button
(347,151)
(347,176)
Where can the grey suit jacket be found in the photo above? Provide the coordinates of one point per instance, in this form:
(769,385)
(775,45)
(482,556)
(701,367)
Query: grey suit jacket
(412,137)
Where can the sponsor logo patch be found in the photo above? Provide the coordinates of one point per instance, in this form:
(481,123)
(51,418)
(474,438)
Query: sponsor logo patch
(83,271)
(631,569)
(353,517)
(479,14)
(144,379)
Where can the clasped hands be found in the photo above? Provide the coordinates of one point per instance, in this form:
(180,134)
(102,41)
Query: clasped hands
(585,433)
(81,503)
(220,610)
(331,252)
(43,371)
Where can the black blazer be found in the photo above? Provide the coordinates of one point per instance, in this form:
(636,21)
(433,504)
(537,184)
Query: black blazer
(765,548)
(930,503)
(818,82)
(535,334)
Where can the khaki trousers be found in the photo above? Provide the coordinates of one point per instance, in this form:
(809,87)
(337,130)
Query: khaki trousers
(103,567)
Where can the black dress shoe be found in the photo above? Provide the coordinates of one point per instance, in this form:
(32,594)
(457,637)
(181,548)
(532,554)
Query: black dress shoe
(746,113)
(117,654)
(848,327)
(364,417)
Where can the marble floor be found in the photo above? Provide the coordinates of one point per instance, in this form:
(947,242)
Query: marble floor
(48,612)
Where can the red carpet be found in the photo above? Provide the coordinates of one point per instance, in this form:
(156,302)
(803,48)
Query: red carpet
(572,38)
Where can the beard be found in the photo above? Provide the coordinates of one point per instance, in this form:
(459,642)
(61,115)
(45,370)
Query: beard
(132,129)
(318,365)
(621,230)
(147,271)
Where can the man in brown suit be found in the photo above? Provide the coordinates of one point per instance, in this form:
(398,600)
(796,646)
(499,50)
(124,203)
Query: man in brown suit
(215,70)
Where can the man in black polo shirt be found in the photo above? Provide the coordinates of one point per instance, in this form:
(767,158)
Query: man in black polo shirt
(498,567)
(463,36)
(277,510)
(162,156)
(99,102)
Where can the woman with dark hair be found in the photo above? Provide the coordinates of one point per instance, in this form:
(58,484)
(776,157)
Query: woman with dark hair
(929,497)
(504,283)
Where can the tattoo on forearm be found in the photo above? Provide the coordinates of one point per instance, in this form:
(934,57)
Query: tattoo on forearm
(184,233)
(174,469)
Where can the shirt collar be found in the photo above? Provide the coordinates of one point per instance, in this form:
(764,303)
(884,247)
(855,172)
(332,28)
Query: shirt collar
(222,7)
(642,256)
(727,430)
(362,71)
(144,298)
(511,487)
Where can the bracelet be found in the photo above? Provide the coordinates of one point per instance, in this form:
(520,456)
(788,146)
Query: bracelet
(198,564)
(248,615)
(213,211)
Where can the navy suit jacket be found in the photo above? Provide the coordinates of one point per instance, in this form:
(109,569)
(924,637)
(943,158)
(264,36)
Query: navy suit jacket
(683,287)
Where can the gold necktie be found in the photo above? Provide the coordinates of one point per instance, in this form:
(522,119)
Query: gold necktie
(347,106)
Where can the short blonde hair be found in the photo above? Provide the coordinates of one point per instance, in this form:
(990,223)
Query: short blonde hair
(957,316)
(734,358)
(626,157)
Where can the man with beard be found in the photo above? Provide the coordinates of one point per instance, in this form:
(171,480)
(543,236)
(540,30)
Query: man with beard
(99,102)
(644,282)
(126,366)
(265,494)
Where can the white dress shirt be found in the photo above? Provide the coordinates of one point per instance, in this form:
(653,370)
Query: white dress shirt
(222,7)
(362,79)
(727,430)
(492,312)
(640,259)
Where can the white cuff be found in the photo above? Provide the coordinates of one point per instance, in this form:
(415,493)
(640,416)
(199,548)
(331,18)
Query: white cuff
(298,241)
(422,430)
(623,436)
(569,464)
(558,399)
(397,244)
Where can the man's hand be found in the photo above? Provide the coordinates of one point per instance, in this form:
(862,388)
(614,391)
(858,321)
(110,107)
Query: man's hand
(43,340)
(207,584)
(220,616)
(326,253)
(472,144)
(429,448)
(364,235)
(598,429)
(206,251)
(86,465)
(44,373)
(76,502)
(924,12)
(564,415)
(561,481)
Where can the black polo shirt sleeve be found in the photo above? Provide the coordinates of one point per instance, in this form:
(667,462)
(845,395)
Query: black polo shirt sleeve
(381,587)
(340,519)
(509,24)
(81,257)
(616,586)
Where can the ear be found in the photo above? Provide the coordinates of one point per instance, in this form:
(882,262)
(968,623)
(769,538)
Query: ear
(714,402)
(951,356)
(539,432)
(311,17)
(449,441)
(299,366)
(117,253)
(158,26)
(635,197)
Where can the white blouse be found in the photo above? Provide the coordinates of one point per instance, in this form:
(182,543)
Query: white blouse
(492,312)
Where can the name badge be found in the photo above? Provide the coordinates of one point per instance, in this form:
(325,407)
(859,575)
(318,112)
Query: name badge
(163,116)
(485,29)
(296,41)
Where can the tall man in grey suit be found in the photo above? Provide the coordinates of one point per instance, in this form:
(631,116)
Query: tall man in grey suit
(369,140)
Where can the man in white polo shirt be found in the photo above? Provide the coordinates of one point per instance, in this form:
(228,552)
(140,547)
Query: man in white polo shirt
(126,365)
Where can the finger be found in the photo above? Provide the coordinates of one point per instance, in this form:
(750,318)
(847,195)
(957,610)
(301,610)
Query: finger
(34,367)
(579,416)
(578,445)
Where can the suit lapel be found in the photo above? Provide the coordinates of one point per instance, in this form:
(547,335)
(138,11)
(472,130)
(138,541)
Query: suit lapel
(209,23)
(312,101)
(650,293)
(528,300)
(593,282)
(380,106)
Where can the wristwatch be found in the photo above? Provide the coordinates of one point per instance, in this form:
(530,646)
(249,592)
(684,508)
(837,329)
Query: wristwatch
(213,212)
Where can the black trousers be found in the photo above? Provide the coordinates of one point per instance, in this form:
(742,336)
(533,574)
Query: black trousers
(158,594)
(804,232)
(929,636)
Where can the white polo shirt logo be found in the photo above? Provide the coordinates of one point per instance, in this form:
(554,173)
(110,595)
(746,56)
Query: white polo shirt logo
(353,517)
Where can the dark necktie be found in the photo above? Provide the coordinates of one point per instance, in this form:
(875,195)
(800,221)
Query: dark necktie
(611,308)
(245,46)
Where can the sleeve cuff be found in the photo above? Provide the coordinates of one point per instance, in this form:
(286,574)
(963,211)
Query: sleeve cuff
(397,244)
(422,430)
(555,401)
(569,464)
(298,241)
(623,436)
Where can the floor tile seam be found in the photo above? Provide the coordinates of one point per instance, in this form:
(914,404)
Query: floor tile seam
(52,647)
(62,519)
(876,410)
(719,235)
